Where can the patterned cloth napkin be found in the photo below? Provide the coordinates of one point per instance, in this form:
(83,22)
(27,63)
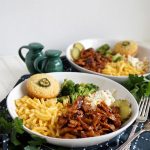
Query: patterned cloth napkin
(140,143)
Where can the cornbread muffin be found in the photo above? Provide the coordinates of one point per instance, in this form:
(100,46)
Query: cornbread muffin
(42,86)
(126,48)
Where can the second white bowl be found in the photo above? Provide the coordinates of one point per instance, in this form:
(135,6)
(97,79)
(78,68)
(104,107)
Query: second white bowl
(143,51)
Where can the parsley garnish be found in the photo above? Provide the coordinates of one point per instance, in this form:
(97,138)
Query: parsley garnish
(14,128)
(138,86)
(19,139)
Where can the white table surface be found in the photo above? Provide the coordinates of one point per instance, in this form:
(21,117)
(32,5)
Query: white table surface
(11,69)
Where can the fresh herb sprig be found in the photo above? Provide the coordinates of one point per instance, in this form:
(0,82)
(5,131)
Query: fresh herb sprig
(138,85)
(19,139)
(14,128)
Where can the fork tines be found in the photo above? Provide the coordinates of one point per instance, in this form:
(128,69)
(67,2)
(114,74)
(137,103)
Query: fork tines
(144,106)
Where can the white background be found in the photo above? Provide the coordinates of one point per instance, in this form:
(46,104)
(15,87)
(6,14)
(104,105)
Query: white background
(57,23)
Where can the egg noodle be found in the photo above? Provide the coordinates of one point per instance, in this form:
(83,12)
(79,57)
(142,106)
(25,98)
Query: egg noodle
(121,68)
(40,115)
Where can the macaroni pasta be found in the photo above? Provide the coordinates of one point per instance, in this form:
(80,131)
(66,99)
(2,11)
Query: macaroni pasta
(121,68)
(40,115)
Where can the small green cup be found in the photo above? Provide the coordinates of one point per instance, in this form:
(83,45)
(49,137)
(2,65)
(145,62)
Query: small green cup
(50,62)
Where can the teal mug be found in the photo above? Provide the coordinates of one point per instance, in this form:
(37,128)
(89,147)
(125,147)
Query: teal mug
(34,51)
(50,62)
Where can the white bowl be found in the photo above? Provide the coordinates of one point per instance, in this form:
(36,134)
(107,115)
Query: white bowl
(143,51)
(103,83)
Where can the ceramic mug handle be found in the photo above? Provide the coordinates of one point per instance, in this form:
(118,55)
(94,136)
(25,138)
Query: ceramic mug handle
(37,61)
(20,52)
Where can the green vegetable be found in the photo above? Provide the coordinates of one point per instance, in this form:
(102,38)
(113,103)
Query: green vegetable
(85,89)
(125,43)
(138,85)
(75,53)
(17,128)
(64,99)
(14,128)
(124,107)
(69,88)
(44,82)
(103,49)
(117,57)
(79,46)
(109,53)
(5,126)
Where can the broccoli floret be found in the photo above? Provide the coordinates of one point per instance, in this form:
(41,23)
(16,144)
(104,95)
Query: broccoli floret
(67,87)
(63,99)
(73,97)
(91,87)
(79,88)
(85,89)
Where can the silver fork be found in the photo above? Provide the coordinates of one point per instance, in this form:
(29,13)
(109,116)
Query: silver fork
(144,106)
(146,128)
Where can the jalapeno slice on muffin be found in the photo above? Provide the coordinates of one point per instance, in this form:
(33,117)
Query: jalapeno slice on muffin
(42,86)
(126,48)
(44,82)
(125,43)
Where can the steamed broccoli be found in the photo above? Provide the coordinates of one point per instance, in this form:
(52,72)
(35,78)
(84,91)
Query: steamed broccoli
(69,88)
(85,89)
(64,99)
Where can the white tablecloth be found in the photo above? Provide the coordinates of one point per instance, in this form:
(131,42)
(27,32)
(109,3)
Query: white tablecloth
(11,69)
